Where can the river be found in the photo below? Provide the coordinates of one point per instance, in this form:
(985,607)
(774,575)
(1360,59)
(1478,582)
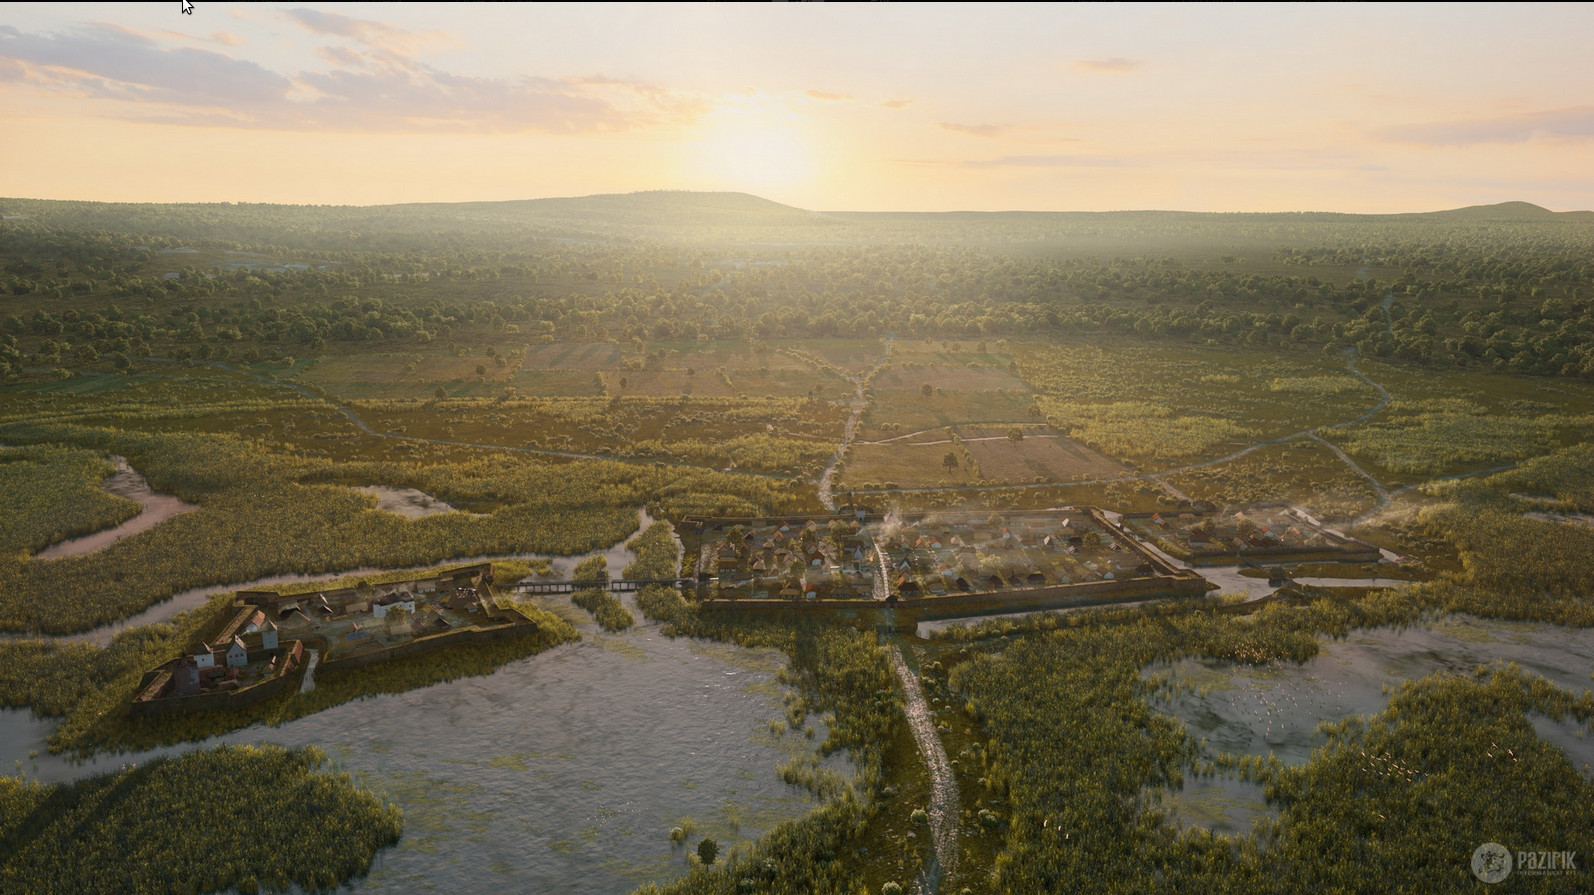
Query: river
(1275,709)
(559,773)
(155,508)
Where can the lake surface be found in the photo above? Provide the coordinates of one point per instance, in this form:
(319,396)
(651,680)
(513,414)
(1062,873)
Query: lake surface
(1275,709)
(124,482)
(407,502)
(561,773)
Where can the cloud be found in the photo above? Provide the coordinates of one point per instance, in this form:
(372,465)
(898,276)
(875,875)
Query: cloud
(110,62)
(369,88)
(380,96)
(226,38)
(975,130)
(1116,64)
(828,97)
(897,103)
(1557,124)
(367,31)
(1029,161)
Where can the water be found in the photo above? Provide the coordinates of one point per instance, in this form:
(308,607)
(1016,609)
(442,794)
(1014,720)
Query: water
(1226,805)
(157,507)
(124,482)
(407,502)
(561,773)
(618,555)
(1276,708)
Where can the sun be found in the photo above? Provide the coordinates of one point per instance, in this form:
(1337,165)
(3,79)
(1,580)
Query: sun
(754,155)
(772,158)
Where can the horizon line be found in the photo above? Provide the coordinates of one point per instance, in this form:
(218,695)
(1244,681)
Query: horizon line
(837,211)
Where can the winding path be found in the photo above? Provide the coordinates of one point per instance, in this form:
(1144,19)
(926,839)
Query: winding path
(943,809)
(973,424)
(309,672)
(1383,493)
(859,402)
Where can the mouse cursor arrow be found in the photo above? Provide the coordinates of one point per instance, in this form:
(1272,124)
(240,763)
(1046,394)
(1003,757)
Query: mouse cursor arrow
(188,8)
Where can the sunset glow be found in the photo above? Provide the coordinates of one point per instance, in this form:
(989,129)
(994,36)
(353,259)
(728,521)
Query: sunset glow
(911,107)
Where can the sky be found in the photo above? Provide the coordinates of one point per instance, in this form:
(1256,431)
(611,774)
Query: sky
(871,107)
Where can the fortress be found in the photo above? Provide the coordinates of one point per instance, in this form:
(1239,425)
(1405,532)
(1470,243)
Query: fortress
(251,657)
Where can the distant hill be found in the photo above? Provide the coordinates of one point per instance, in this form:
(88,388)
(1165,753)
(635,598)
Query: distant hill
(732,218)
(645,209)
(1510,211)
(1504,212)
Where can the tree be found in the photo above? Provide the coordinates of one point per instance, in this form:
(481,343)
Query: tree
(398,618)
(624,383)
(927,389)
(707,851)
(440,393)
(1015,434)
(950,461)
(481,371)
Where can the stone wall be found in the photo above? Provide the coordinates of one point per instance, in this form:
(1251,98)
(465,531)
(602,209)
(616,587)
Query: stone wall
(1055,596)
(473,634)
(149,704)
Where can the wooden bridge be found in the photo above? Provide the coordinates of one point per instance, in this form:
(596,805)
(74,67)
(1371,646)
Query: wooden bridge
(610,584)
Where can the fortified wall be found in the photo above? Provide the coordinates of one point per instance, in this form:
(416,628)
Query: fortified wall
(350,626)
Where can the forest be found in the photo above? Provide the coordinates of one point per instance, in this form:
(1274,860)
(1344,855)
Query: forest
(545,373)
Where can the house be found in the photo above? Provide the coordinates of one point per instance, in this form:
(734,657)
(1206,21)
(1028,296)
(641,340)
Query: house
(268,636)
(397,600)
(185,677)
(237,654)
(297,617)
(206,657)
